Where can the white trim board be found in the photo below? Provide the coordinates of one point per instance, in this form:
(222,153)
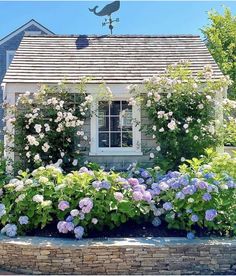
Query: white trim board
(22,28)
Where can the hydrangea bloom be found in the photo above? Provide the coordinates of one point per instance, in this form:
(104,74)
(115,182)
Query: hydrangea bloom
(86,204)
(23,220)
(105,185)
(147,196)
(2,210)
(63,205)
(206,197)
(180,195)
(79,232)
(65,227)
(10,230)
(118,196)
(156,222)
(145,174)
(38,198)
(194,218)
(167,206)
(94,221)
(133,181)
(74,212)
(190,236)
(137,196)
(210,214)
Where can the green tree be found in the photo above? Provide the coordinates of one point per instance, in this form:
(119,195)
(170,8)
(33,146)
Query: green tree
(220,37)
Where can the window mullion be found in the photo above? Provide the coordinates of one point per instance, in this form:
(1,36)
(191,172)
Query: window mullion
(109,124)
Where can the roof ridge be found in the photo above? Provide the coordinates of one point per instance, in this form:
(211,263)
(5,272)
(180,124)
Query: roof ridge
(113,36)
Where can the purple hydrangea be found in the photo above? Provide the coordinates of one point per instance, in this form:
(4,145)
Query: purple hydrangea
(83,170)
(180,195)
(206,197)
(140,180)
(167,206)
(2,210)
(163,186)
(137,196)
(10,230)
(69,218)
(190,236)
(133,181)
(23,220)
(209,175)
(118,196)
(63,205)
(210,214)
(145,174)
(194,218)
(189,190)
(156,222)
(65,227)
(96,184)
(79,232)
(86,204)
(147,196)
(105,185)
(202,185)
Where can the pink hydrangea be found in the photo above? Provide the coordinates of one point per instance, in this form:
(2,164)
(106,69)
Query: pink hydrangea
(118,196)
(63,205)
(86,204)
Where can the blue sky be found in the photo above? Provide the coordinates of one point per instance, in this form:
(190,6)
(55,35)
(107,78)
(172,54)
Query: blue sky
(136,17)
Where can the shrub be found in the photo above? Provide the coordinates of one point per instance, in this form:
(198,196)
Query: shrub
(79,201)
(181,109)
(201,195)
(229,127)
(49,126)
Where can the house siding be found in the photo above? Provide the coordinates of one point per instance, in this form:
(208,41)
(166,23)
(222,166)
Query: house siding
(10,45)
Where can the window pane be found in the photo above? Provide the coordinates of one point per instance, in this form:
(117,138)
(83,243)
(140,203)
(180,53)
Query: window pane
(127,139)
(103,123)
(103,109)
(115,140)
(104,140)
(127,119)
(125,105)
(115,108)
(115,123)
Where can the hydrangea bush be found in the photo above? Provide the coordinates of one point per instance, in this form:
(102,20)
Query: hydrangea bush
(181,109)
(78,202)
(49,125)
(202,195)
(229,127)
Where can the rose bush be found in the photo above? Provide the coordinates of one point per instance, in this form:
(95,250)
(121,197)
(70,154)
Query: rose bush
(181,109)
(49,126)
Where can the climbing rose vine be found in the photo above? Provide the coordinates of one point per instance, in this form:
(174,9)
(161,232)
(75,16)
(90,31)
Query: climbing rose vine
(49,126)
(181,108)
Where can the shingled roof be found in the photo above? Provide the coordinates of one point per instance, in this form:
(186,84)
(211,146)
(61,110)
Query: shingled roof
(113,59)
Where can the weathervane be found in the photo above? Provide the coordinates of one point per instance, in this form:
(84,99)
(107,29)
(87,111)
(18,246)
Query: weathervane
(107,11)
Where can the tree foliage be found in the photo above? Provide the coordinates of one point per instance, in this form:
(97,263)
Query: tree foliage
(221,42)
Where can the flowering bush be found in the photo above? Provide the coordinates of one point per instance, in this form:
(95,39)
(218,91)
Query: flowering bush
(202,195)
(78,201)
(49,126)
(181,109)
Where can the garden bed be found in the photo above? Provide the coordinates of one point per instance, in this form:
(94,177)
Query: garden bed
(118,256)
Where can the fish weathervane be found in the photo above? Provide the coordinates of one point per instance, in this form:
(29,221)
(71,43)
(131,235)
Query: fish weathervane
(107,11)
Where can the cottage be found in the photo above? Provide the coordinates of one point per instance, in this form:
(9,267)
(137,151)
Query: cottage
(116,60)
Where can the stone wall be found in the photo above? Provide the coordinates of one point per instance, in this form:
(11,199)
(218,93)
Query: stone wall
(118,256)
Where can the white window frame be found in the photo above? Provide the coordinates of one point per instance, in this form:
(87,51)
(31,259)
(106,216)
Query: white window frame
(115,151)
(8,53)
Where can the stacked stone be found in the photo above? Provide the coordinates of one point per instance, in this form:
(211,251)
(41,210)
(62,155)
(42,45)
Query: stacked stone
(136,256)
